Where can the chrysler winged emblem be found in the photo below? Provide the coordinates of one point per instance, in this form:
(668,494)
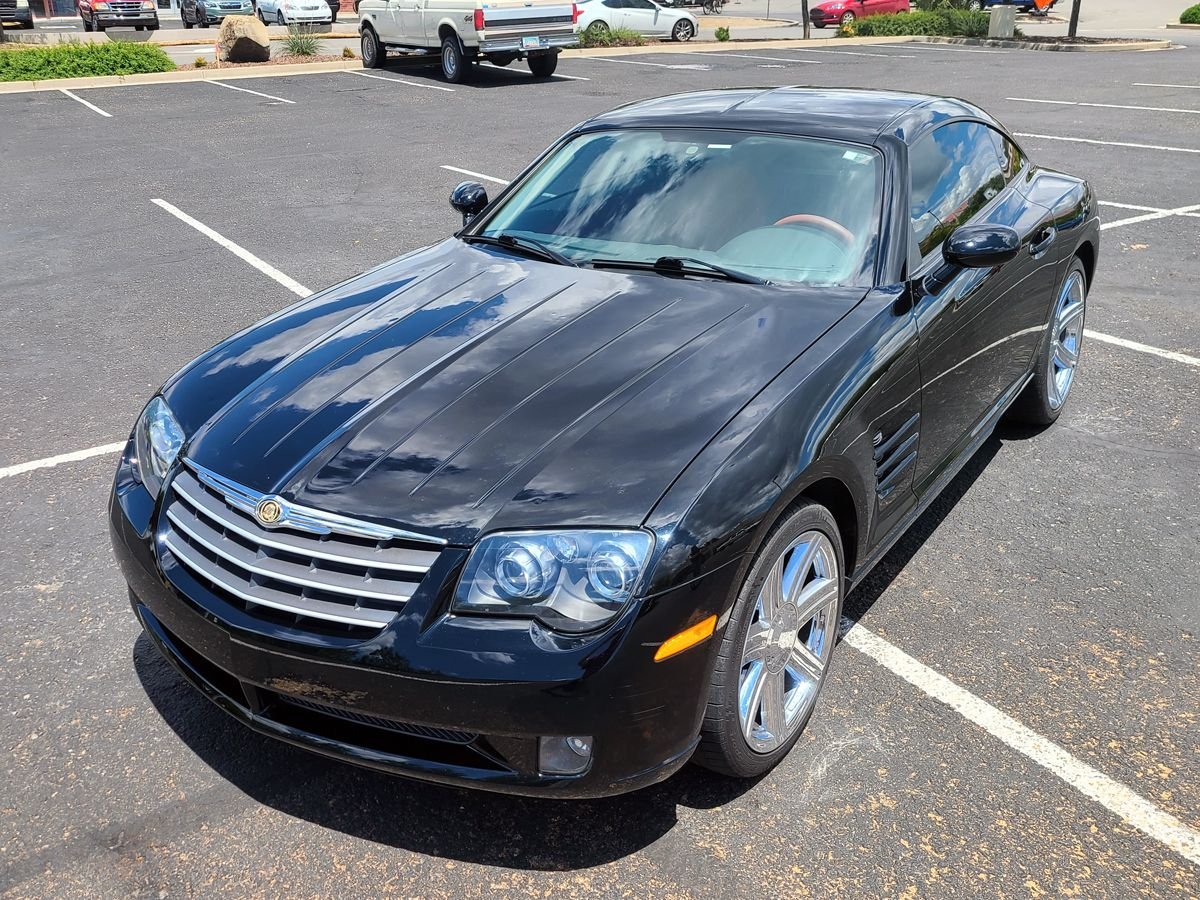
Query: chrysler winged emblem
(268,511)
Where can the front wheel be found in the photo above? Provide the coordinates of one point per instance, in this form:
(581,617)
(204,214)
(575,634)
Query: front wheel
(776,649)
(847,19)
(186,24)
(543,64)
(87,26)
(1043,399)
(975,5)
(373,53)
(279,17)
(683,31)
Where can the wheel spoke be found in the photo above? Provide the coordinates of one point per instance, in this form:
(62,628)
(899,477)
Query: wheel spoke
(770,598)
(756,642)
(816,596)
(1064,358)
(750,696)
(804,664)
(1069,316)
(801,569)
(774,717)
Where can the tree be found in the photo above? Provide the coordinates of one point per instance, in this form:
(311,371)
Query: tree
(1074,26)
(804,14)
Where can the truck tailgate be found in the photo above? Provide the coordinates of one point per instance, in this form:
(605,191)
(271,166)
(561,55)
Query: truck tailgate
(517,17)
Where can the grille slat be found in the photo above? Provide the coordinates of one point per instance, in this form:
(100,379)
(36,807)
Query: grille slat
(329,576)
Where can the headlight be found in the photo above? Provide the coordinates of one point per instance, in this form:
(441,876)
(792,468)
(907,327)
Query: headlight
(570,581)
(100,5)
(148,4)
(22,4)
(158,439)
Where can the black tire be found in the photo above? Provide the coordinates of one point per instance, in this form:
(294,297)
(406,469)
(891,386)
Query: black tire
(97,26)
(28,26)
(598,27)
(183,17)
(87,25)
(723,747)
(373,52)
(261,17)
(542,65)
(203,21)
(1034,406)
(153,27)
(139,27)
(279,20)
(683,31)
(456,68)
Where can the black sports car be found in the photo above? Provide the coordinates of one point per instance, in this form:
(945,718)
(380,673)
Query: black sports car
(574,496)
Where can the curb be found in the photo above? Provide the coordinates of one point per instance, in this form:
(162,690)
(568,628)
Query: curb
(339,36)
(1037,45)
(208,73)
(1182,26)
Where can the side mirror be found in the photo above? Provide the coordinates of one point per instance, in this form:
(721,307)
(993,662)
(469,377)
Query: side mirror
(973,247)
(469,198)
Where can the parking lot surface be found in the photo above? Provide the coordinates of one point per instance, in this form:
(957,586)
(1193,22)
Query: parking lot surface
(1055,582)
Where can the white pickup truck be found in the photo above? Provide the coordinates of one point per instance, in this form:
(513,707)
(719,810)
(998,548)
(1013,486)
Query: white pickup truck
(465,32)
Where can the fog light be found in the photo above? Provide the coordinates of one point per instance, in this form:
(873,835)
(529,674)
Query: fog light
(564,755)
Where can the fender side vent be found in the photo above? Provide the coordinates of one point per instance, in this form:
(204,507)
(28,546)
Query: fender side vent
(895,455)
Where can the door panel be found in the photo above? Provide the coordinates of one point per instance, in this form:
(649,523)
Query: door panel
(978,334)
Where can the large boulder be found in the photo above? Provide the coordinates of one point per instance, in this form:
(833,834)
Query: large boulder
(243,39)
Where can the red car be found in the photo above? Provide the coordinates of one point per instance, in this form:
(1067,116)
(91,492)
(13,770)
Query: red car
(844,12)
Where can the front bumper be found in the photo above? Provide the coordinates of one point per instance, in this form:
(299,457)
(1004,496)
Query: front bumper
(23,16)
(217,15)
(409,703)
(309,17)
(111,19)
(525,44)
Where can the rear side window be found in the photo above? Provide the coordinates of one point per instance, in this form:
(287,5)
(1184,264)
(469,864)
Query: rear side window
(1011,158)
(956,171)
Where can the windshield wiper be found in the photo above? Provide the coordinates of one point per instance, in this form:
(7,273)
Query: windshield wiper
(679,265)
(528,246)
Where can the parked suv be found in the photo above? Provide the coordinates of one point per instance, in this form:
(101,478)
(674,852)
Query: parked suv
(211,12)
(97,15)
(466,31)
(16,11)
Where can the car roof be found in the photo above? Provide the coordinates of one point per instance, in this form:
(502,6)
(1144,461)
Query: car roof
(852,114)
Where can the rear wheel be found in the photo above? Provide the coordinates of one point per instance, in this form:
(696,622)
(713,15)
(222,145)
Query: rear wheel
(183,17)
(847,19)
(597,28)
(975,5)
(1043,399)
(542,65)
(776,649)
(456,68)
(373,53)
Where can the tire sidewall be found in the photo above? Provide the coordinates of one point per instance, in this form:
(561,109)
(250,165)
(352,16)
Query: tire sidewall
(739,758)
(1033,406)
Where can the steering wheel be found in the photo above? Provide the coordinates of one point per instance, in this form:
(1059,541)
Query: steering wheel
(833,228)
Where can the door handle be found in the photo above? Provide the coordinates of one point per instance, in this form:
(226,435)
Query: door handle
(1042,243)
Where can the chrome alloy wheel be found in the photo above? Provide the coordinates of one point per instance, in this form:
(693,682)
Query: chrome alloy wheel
(1065,339)
(789,642)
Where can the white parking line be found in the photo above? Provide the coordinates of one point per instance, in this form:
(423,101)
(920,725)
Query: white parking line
(1144,348)
(241,252)
(1169,109)
(246,90)
(1092,783)
(634,62)
(798,62)
(51,461)
(852,52)
(474,174)
(92,106)
(552,77)
(1155,209)
(432,87)
(1191,87)
(1151,216)
(1075,140)
(914,45)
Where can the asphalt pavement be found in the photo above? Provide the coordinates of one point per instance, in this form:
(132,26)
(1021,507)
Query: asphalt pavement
(1055,582)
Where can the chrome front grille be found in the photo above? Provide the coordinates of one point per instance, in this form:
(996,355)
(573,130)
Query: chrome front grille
(309,565)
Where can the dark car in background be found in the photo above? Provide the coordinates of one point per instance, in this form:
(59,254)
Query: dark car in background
(98,15)
(565,500)
(18,11)
(210,12)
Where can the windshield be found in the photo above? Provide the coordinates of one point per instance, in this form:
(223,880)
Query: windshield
(775,207)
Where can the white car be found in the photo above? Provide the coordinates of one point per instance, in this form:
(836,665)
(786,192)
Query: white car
(294,12)
(643,16)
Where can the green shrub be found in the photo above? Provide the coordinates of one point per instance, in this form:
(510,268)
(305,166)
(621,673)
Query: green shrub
(935,5)
(944,23)
(301,41)
(722,33)
(73,60)
(1191,15)
(611,37)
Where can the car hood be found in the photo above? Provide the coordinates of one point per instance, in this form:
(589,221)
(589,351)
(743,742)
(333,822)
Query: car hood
(460,390)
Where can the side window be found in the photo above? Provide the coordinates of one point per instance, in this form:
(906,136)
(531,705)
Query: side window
(639,4)
(613,4)
(955,173)
(1011,158)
